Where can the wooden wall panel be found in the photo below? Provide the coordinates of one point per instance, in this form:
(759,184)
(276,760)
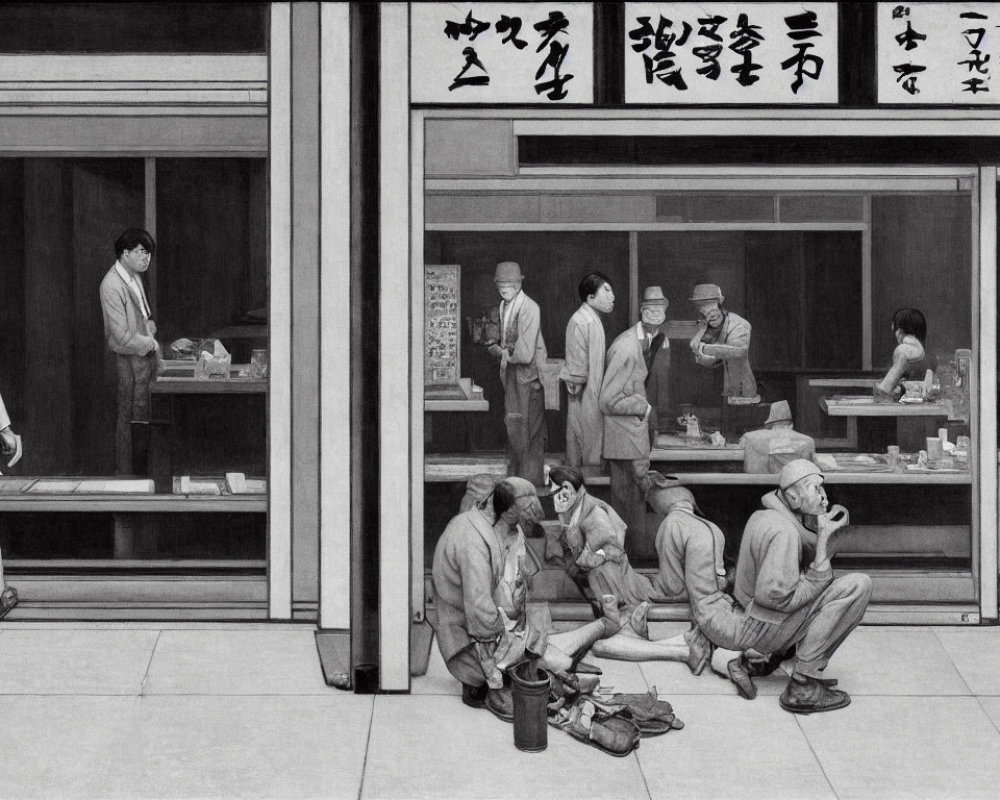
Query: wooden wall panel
(921,258)
(49,341)
(12,310)
(107,197)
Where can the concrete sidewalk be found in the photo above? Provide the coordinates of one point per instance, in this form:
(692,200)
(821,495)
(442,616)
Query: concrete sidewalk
(147,710)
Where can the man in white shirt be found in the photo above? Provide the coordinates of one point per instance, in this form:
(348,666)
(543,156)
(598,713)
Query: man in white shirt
(129,332)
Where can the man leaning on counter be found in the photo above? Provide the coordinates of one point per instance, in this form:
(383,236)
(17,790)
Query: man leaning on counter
(129,332)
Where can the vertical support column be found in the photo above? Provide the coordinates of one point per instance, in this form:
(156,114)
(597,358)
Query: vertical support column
(984,416)
(866,286)
(279,573)
(335,316)
(418,418)
(395,376)
(149,213)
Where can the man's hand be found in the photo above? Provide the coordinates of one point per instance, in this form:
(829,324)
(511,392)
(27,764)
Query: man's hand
(574,389)
(496,351)
(151,327)
(827,525)
(7,440)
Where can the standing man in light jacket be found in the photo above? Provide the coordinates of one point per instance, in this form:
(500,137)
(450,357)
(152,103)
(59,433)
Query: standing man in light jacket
(130,332)
(521,353)
(584,370)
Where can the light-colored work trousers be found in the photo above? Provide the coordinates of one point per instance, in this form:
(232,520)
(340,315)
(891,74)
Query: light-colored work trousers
(817,629)
(524,416)
(584,430)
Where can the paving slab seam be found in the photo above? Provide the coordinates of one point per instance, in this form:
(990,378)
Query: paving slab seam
(149,665)
(368,747)
(819,761)
(989,716)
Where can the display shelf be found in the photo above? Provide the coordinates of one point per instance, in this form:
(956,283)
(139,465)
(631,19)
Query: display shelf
(469,403)
(849,408)
(441,469)
(122,503)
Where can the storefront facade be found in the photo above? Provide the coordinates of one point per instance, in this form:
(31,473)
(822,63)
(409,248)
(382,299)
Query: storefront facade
(819,222)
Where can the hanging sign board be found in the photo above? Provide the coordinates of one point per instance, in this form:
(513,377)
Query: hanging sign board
(502,53)
(710,53)
(938,53)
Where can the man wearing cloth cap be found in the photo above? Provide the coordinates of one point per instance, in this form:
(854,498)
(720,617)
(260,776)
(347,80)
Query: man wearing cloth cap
(783,605)
(521,353)
(656,349)
(584,369)
(724,338)
(689,549)
(768,450)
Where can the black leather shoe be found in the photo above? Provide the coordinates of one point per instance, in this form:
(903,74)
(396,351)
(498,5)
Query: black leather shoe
(474,696)
(805,695)
(500,702)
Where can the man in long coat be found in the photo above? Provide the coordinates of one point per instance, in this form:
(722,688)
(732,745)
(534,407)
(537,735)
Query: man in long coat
(626,427)
(522,354)
(584,370)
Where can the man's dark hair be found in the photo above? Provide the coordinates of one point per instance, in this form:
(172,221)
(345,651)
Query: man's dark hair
(592,283)
(560,474)
(503,498)
(911,322)
(131,238)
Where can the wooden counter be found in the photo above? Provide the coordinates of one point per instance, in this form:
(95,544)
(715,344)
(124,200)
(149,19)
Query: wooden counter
(847,408)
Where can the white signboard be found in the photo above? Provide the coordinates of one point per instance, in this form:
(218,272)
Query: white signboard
(502,53)
(938,52)
(773,53)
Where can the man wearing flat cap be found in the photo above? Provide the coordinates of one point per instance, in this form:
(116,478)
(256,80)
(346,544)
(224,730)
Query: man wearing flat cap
(769,449)
(584,370)
(781,604)
(724,338)
(521,353)
(656,350)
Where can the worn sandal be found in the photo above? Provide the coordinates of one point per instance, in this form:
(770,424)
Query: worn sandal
(8,599)
(612,733)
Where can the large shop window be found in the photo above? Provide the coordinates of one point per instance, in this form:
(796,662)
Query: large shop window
(819,275)
(196,488)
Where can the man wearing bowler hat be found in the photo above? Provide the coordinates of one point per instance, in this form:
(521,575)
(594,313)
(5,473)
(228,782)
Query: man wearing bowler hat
(656,350)
(724,338)
(521,353)
(769,449)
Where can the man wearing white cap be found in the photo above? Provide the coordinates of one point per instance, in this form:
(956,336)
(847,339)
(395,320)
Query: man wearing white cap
(769,449)
(521,353)
(724,338)
(656,348)
(584,370)
(784,605)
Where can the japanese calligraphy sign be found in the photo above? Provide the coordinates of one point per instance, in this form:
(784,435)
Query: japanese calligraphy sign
(773,53)
(442,315)
(938,52)
(502,53)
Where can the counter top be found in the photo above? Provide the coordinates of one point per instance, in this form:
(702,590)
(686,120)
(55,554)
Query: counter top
(178,378)
(863,407)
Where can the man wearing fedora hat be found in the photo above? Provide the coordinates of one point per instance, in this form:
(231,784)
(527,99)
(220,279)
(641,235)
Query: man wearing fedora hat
(724,338)
(583,370)
(522,354)
(656,349)
(769,449)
